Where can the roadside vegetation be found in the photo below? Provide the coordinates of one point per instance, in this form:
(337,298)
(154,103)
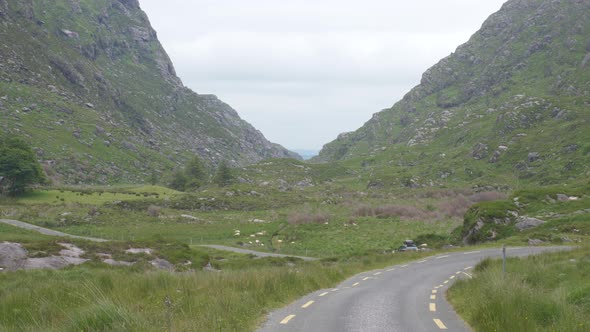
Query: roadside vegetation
(280,206)
(98,297)
(549,292)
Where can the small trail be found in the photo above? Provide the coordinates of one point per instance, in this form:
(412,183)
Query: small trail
(51,232)
(253,252)
(47,231)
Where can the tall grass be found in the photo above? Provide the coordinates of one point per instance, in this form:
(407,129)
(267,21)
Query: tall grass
(549,292)
(94,298)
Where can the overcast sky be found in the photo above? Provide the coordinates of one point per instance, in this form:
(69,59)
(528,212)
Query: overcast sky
(303,71)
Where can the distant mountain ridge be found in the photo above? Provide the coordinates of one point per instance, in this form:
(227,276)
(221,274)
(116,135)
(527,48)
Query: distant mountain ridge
(511,103)
(89,85)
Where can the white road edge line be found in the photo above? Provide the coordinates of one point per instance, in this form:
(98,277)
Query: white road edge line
(445,256)
(323,294)
(471,252)
(469,275)
(468,268)
(433,297)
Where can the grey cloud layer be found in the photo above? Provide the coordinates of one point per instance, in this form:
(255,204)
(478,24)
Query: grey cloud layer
(313,67)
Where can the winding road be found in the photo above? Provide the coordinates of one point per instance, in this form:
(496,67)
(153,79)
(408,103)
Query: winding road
(408,297)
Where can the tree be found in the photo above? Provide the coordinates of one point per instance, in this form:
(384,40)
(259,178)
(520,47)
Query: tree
(196,173)
(223,176)
(178,181)
(18,166)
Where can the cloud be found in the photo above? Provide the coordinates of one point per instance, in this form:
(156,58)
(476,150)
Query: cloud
(313,67)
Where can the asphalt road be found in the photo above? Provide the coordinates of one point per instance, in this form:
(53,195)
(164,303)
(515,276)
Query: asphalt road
(408,297)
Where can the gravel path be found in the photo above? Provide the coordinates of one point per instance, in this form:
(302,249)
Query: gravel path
(47,231)
(256,253)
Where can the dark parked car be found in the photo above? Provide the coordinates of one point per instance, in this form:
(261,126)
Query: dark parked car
(408,245)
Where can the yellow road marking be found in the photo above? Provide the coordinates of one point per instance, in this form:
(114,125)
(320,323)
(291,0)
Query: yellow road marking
(468,268)
(452,277)
(366,278)
(446,282)
(432,307)
(323,294)
(377,273)
(434,291)
(355,284)
(440,324)
(433,297)
(307,304)
(287,319)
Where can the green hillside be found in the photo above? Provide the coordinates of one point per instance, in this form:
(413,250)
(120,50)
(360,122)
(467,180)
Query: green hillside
(507,107)
(88,84)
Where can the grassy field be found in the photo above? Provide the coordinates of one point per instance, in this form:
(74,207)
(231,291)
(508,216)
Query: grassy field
(351,229)
(549,292)
(97,297)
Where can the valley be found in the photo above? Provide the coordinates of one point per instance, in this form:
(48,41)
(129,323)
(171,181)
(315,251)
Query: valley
(163,210)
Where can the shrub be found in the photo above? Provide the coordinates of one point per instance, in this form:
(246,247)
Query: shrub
(298,218)
(154,210)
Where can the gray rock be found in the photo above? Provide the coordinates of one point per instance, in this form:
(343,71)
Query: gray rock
(563,198)
(162,264)
(480,151)
(533,156)
(535,242)
(525,222)
(12,256)
(495,157)
(113,262)
(70,34)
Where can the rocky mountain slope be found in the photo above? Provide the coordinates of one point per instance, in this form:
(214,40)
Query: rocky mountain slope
(89,85)
(511,104)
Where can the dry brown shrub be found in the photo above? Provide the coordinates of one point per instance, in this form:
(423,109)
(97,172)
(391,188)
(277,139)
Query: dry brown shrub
(459,205)
(154,210)
(390,211)
(299,218)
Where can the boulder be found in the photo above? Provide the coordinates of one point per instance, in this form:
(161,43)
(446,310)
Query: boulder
(480,151)
(525,222)
(533,156)
(12,256)
(162,264)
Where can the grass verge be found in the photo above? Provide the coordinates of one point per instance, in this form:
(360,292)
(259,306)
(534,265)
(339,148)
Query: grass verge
(548,292)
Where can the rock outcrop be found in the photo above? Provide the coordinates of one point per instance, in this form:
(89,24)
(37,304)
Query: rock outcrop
(100,64)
